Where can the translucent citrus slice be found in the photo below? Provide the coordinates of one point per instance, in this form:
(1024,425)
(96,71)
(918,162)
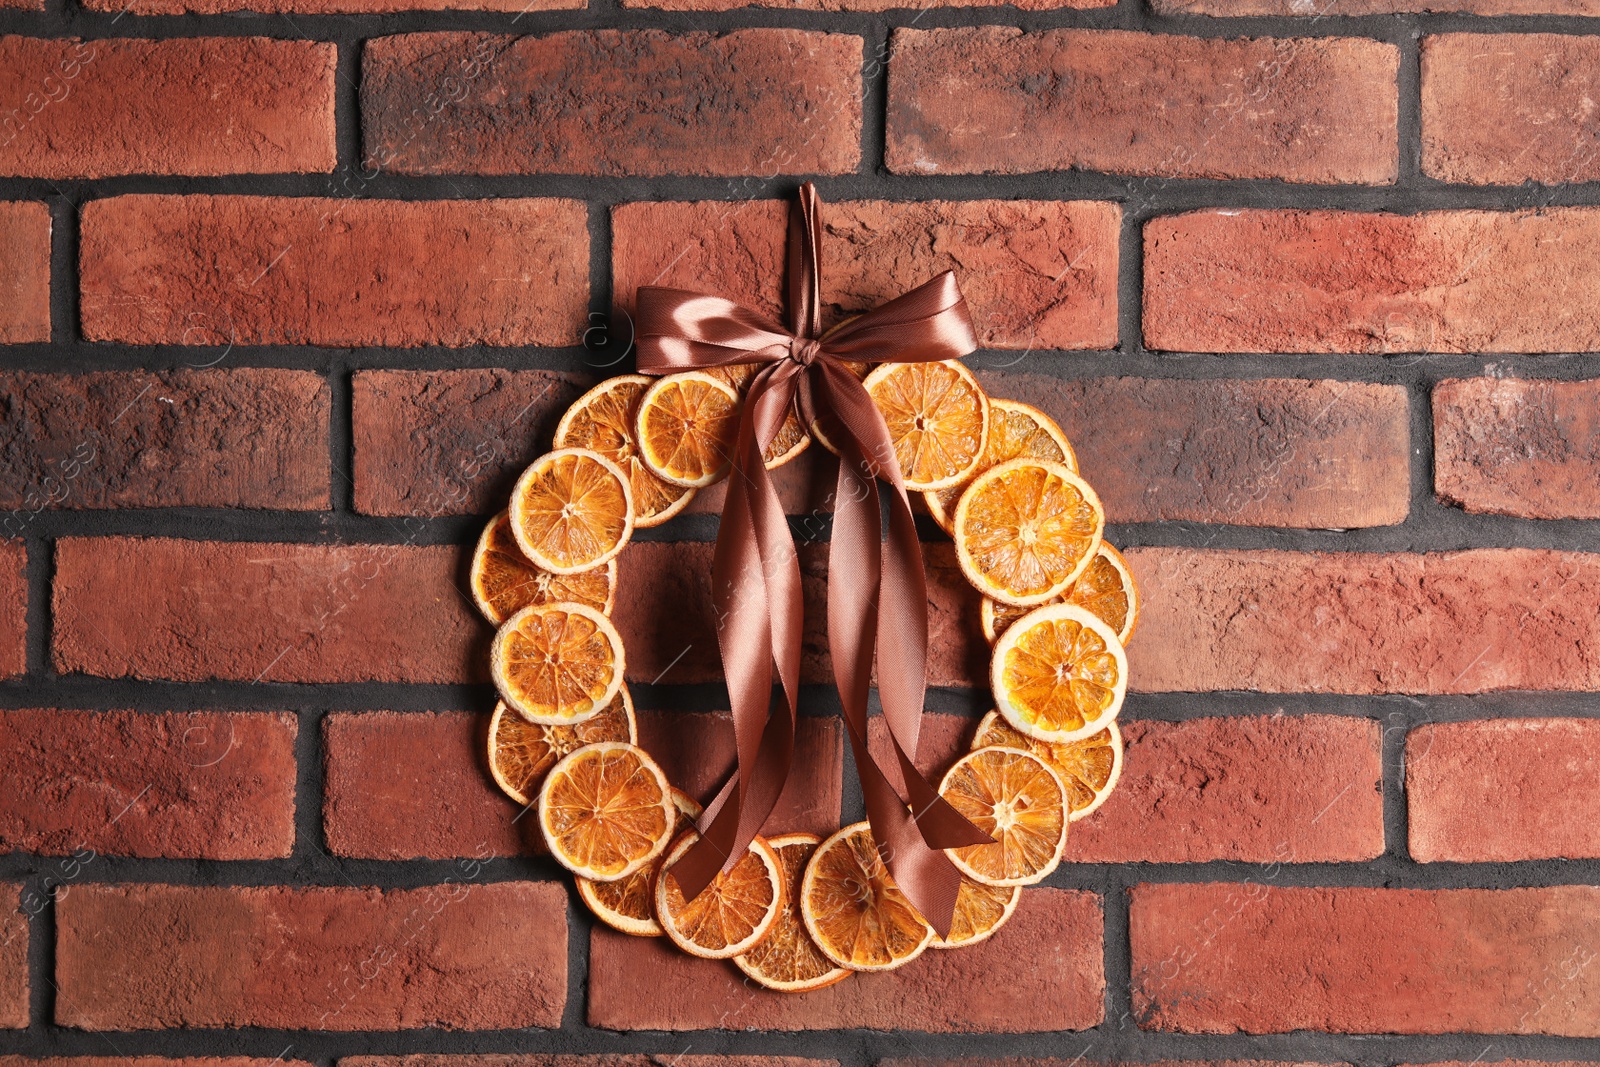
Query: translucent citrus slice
(1016,431)
(1089,768)
(1059,674)
(1105,587)
(602,421)
(787,959)
(504,581)
(853,910)
(627,904)
(980,911)
(520,752)
(606,810)
(686,426)
(557,664)
(571,510)
(792,438)
(732,914)
(938,419)
(1014,797)
(1025,530)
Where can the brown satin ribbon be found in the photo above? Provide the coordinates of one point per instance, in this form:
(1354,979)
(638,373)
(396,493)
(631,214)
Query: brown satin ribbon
(877,597)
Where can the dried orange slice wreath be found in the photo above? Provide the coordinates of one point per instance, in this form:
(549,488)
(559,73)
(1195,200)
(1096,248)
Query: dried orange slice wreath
(794,914)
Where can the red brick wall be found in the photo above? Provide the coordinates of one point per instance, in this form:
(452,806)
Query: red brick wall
(290,291)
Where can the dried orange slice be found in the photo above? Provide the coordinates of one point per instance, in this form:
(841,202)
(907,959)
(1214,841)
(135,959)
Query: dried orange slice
(1059,674)
(1105,587)
(791,439)
(1089,768)
(686,426)
(732,914)
(853,910)
(1025,530)
(504,581)
(938,419)
(1016,430)
(571,510)
(602,421)
(606,810)
(520,752)
(1014,797)
(787,960)
(557,663)
(627,904)
(980,911)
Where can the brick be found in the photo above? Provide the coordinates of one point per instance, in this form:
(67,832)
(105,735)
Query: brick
(864,5)
(613,102)
(1507,108)
(1048,957)
(24,272)
(1036,273)
(13,959)
(127,607)
(196,785)
(1358,960)
(451,442)
(245,438)
(1268,452)
(560,1060)
(1503,790)
(462,955)
(145,1061)
(991,99)
(1244,280)
(253,270)
(13,608)
(325,7)
(1513,447)
(1334,8)
(204,105)
(1301,622)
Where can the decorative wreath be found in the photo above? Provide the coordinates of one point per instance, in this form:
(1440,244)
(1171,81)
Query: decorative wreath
(726,393)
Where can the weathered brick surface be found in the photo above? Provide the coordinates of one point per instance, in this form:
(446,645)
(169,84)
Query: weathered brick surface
(145,1061)
(1342,281)
(202,105)
(991,99)
(245,438)
(1506,108)
(1048,956)
(1501,790)
(451,442)
(1358,960)
(252,611)
(13,959)
(463,955)
(326,7)
(13,604)
(1270,452)
(1516,447)
(210,785)
(1293,622)
(1333,8)
(613,102)
(220,270)
(24,272)
(1036,273)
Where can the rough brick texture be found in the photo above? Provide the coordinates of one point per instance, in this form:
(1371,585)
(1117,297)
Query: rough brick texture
(13,601)
(1357,960)
(1048,956)
(246,438)
(1513,447)
(1292,622)
(203,105)
(1534,775)
(1274,452)
(247,270)
(1341,281)
(451,442)
(613,102)
(1331,8)
(462,955)
(1504,109)
(24,272)
(13,959)
(326,7)
(1036,274)
(208,785)
(251,611)
(991,99)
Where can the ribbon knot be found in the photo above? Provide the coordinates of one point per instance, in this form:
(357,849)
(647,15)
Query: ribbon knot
(877,594)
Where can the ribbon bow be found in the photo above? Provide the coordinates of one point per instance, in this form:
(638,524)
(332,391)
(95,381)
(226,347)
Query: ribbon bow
(877,598)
